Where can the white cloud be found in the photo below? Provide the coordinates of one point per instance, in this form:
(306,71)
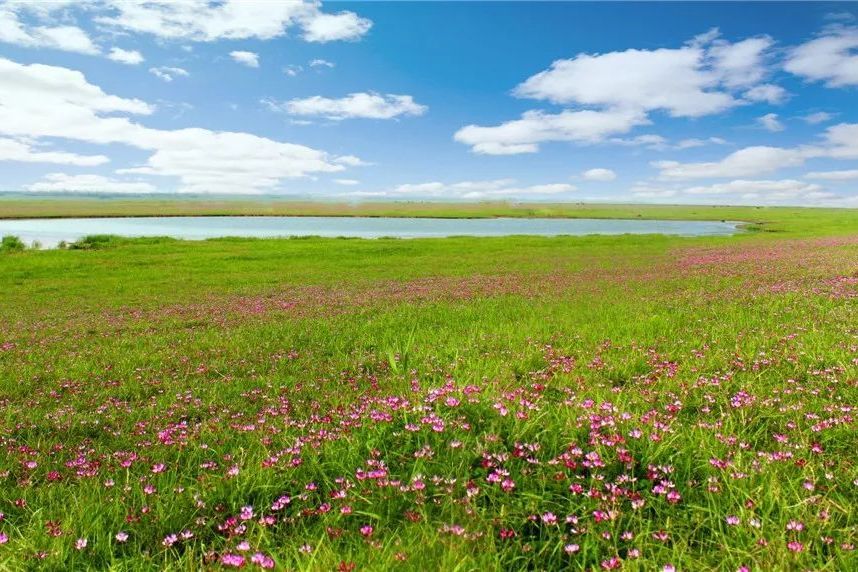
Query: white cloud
(484,189)
(818,117)
(61,182)
(207,21)
(659,143)
(767,92)
(700,78)
(686,82)
(748,189)
(524,135)
(599,175)
(740,64)
(741,191)
(317,63)
(830,58)
(746,162)
(49,101)
(14,30)
(351,161)
(347,182)
(13,150)
(846,175)
(292,70)
(129,57)
(841,141)
(770,122)
(362,105)
(330,27)
(249,59)
(167,73)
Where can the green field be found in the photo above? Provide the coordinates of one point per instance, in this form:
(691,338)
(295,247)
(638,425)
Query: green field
(441,404)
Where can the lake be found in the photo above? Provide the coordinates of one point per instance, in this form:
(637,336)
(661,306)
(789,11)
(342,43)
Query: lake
(49,232)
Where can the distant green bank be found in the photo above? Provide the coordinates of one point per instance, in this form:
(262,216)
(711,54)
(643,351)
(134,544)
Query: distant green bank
(773,219)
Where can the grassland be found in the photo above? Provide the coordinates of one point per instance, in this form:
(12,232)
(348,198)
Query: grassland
(446,404)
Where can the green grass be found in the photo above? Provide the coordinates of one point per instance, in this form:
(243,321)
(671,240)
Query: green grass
(808,220)
(443,361)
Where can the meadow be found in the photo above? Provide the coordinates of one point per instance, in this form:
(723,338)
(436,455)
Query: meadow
(517,403)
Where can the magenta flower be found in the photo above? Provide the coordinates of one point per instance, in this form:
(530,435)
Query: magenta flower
(232,560)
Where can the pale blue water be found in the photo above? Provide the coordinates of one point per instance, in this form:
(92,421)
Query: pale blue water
(49,232)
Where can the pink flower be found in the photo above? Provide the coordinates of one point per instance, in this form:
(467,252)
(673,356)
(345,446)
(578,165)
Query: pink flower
(243,546)
(3,538)
(158,468)
(262,560)
(571,548)
(366,530)
(233,560)
(549,518)
(80,543)
(733,520)
(795,525)
(121,536)
(795,546)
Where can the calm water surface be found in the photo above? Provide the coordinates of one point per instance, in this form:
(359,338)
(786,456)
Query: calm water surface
(49,232)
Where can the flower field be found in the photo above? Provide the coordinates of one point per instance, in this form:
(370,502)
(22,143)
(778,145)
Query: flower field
(519,403)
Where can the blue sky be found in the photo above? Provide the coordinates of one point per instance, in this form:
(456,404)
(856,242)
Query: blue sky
(703,102)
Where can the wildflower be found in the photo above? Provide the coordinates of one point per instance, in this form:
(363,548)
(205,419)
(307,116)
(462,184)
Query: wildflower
(733,520)
(795,526)
(169,540)
(80,543)
(571,548)
(246,513)
(121,536)
(232,560)
(243,546)
(668,568)
(549,518)
(795,546)
(305,549)
(158,468)
(506,533)
(3,538)
(262,560)
(366,530)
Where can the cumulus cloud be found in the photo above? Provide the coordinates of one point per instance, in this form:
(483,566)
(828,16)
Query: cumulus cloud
(830,58)
(818,117)
(128,57)
(320,63)
(767,93)
(622,88)
(601,175)
(207,21)
(61,182)
(167,73)
(534,127)
(741,191)
(330,27)
(479,189)
(770,122)
(22,152)
(27,24)
(846,175)
(249,59)
(354,105)
(746,162)
(49,101)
